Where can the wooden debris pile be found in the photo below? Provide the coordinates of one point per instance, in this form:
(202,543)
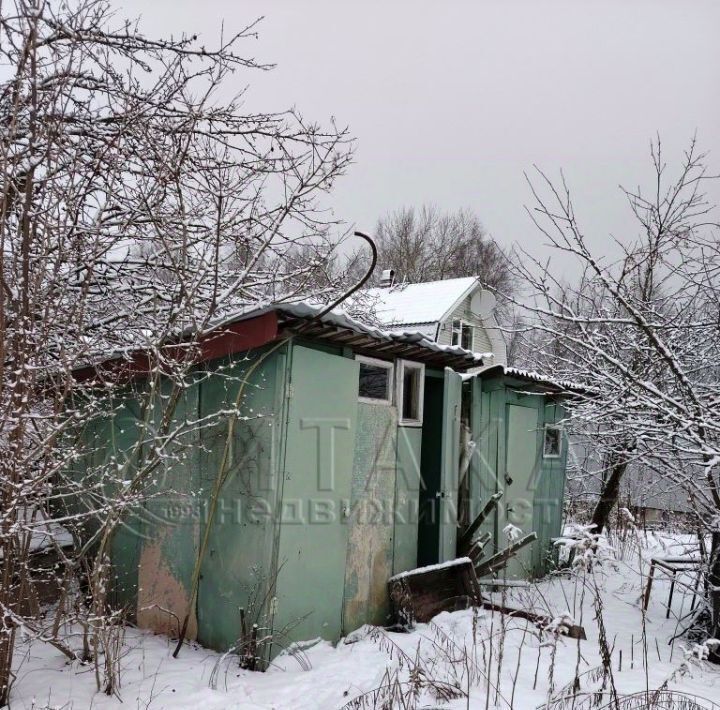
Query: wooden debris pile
(420,594)
(472,544)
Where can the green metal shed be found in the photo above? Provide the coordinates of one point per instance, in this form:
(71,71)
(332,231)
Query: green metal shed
(346,473)
(323,490)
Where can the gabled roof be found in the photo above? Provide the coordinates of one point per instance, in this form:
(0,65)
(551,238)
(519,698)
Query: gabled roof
(428,302)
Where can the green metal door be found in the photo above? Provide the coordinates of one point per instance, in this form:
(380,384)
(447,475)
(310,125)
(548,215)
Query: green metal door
(323,405)
(521,462)
(448,495)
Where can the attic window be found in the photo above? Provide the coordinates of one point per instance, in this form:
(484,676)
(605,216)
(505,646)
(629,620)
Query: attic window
(462,334)
(411,378)
(376,378)
(552,441)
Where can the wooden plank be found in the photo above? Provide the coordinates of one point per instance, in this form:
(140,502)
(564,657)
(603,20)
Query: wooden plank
(500,559)
(572,631)
(467,536)
(477,550)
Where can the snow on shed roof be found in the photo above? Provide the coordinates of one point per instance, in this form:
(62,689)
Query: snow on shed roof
(535,377)
(427,302)
(338,317)
(400,341)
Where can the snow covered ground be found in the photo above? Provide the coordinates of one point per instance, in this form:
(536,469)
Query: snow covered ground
(458,653)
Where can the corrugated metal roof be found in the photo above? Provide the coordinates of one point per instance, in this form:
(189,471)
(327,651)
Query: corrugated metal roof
(404,338)
(427,302)
(341,319)
(535,377)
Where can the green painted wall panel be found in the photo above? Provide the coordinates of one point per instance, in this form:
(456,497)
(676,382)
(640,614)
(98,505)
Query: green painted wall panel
(237,569)
(521,472)
(171,519)
(483,464)
(549,495)
(114,436)
(490,465)
(448,510)
(316,493)
(407,498)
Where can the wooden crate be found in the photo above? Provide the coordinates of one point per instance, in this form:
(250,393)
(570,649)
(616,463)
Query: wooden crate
(419,594)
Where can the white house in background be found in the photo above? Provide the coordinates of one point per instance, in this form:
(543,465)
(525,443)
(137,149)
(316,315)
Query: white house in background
(450,312)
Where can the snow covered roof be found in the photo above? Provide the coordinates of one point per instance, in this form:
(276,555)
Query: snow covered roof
(409,336)
(309,320)
(534,377)
(427,302)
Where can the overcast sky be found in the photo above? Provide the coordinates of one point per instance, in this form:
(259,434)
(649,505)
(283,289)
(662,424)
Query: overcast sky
(450,102)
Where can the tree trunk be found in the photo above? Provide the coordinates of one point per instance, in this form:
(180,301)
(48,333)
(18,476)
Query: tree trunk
(714,593)
(608,496)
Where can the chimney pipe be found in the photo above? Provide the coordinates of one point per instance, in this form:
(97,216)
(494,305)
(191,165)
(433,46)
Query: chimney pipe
(388,278)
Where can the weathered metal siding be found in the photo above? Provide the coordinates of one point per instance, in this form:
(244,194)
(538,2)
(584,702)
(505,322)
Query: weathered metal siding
(407,498)
(549,494)
(492,397)
(237,568)
(148,547)
(370,544)
(316,486)
(155,550)
(280,530)
(170,527)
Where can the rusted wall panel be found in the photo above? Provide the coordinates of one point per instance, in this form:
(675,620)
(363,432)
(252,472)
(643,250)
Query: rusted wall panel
(370,544)
(168,528)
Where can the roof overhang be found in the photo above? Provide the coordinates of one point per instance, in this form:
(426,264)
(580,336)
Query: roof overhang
(408,345)
(540,382)
(230,338)
(270,323)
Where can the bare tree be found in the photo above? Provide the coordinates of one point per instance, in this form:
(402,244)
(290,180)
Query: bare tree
(641,333)
(137,212)
(428,245)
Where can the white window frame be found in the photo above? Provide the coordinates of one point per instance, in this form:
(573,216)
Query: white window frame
(463,323)
(402,364)
(386,366)
(560,442)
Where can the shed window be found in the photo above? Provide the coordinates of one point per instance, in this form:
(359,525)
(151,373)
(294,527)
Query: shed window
(411,377)
(375,380)
(462,334)
(552,441)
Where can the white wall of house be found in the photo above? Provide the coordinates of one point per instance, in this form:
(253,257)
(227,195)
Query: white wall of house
(485,338)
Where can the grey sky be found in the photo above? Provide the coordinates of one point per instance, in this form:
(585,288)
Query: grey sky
(451,101)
